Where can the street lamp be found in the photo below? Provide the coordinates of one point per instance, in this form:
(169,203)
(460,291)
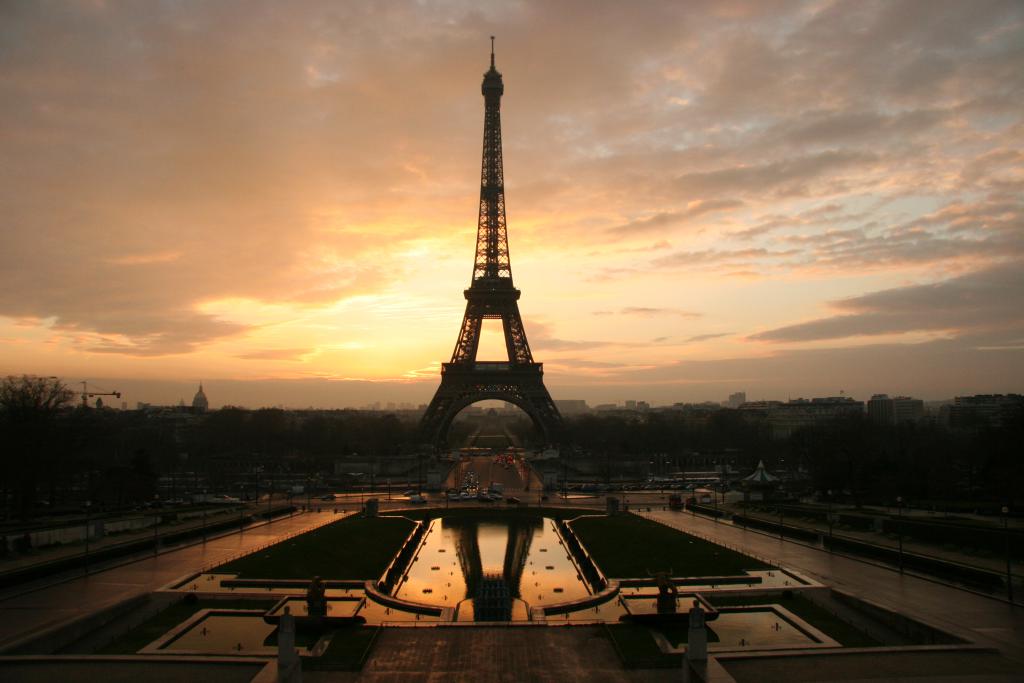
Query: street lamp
(1006,536)
(88,505)
(565,481)
(156,523)
(270,497)
(830,520)
(899,527)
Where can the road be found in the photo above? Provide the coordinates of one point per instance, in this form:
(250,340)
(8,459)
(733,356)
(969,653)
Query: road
(983,620)
(24,613)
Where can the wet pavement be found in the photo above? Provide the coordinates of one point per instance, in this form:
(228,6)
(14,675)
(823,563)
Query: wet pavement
(981,619)
(25,613)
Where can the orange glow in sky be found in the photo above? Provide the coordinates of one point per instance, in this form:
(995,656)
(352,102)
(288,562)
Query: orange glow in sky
(783,199)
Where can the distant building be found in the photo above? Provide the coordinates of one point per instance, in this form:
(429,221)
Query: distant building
(984,409)
(643,406)
(736,400)
(630,405)
(786,418)
(895,410)
(605,407)
(199,402)
(572,406)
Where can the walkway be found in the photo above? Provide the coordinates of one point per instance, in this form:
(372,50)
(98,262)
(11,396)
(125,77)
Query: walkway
(993,563)
(983,620)
(564,654)
(22,614)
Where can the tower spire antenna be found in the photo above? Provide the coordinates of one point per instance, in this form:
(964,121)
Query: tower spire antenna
(492,52)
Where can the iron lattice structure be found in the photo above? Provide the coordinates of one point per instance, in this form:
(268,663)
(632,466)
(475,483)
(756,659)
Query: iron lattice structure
(491,294)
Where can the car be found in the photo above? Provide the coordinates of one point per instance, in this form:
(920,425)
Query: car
(410,492)
(512,500)
(416,499)
(327,496)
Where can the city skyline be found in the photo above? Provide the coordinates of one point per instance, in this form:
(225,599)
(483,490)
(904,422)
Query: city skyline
(787,200)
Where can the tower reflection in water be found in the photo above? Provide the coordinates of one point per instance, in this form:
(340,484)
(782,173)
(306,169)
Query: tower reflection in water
(492,569)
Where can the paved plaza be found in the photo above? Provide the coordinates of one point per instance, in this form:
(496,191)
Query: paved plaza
(580,653)
(981,619)
(27,613)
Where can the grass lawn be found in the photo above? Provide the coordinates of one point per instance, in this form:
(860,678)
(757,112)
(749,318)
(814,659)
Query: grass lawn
(816,616)
(352,548)
(627,546)
(159,624)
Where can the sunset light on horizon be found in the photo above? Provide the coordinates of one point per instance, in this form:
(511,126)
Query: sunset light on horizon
(280,199)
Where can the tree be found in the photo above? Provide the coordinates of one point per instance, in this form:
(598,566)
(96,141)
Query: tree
(28,398)
(28,408)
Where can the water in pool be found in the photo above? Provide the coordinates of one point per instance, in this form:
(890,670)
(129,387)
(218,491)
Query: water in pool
(492,569)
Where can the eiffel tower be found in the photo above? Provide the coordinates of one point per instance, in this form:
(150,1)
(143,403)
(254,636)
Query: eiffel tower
(491,294)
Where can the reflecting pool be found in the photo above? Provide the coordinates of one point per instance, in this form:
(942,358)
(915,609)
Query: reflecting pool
(492,569)
(225,633)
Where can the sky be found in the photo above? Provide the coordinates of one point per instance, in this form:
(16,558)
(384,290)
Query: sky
(280,199)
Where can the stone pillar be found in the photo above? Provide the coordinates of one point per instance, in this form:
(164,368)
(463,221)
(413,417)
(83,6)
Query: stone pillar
(289,664)
(697,638)
(612,505)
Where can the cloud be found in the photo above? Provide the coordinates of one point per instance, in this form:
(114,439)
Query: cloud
(277,354)
(760,178)
(673,218)
(652,310)
(542,338)
(979,301)
(720,257)
(182,179)
(707,337)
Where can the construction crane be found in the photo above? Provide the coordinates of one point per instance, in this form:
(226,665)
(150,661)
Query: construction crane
(86,394)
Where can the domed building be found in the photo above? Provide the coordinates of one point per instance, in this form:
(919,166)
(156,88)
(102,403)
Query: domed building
(199,402)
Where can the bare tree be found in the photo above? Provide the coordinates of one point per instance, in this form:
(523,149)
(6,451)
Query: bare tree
(28,407)
(30,397)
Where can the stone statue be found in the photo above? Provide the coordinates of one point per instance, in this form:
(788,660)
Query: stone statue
(667,593)
(316,599)
(697,638)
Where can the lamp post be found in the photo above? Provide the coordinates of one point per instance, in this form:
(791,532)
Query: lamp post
(780,520)
(156,523)
(1006,537)
(270,497)
(899,527)
(565,481)
(830,520)
(88,506)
